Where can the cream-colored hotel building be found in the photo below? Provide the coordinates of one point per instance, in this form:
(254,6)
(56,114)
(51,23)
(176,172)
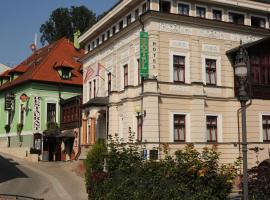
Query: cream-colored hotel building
(189,95)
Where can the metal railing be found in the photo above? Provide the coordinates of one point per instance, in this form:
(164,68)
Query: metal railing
(17,197)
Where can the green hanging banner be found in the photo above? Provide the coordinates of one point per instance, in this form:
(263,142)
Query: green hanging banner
(144,54)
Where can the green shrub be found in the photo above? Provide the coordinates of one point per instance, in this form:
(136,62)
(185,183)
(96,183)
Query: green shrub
(188,174)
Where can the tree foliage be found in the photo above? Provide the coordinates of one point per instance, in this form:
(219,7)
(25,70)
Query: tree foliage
(64,22)
(188,175)
(259,182)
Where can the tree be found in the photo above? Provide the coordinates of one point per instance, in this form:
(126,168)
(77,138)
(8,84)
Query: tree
(188,174)
(63,22)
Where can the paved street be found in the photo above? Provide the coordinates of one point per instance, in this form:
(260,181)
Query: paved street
(48,180)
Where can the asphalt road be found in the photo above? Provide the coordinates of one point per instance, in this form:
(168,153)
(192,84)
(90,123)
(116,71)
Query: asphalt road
(48,180)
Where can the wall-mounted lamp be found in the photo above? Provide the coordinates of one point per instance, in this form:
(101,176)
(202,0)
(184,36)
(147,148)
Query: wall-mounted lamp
(139,111)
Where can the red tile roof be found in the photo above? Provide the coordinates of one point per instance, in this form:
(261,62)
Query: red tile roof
(4,74)
(40,66)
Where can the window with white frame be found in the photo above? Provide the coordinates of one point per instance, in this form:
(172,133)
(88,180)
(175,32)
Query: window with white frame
(236,18)
(178,68)
(210,71)
(51,112)
(179,128)
(217,14)
(183,9)
(201,11)
(258,22)
(211,128)
(125,67)
(266,127)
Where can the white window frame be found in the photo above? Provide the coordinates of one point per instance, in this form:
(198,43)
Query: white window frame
(19,114)
(237,12)
(206,10)
(260,16)
(51,100)
(136,77)
(187,125)
(219,126)
(222,13)
(187,65)
(171,8)
(218,68)
(122,87)
(261,125)
(184,3)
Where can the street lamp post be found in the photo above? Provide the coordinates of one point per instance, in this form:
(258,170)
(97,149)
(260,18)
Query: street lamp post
(241,72)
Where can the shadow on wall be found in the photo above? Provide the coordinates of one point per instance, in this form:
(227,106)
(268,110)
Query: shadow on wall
(9,170)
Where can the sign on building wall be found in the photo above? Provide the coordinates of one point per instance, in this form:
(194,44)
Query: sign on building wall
(37,113)
(144,54)
(9,101)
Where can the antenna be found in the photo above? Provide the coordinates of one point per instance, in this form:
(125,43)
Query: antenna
(35,39)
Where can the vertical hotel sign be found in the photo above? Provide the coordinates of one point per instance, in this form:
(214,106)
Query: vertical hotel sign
(144,54)
(36,113)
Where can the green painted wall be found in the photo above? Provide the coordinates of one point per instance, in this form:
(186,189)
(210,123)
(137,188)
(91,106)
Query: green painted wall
(49,93)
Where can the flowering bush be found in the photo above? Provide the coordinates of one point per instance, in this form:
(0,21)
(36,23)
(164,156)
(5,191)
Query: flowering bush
(188,174)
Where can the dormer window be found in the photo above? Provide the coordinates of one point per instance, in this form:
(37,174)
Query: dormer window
(64,70)
(66,74)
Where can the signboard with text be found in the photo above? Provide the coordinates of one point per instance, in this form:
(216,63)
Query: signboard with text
(144,54)
(37,113)
(9,101)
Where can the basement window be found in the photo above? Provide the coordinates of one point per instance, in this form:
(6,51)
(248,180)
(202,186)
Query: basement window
(258,22)
(236,18)
(165,6)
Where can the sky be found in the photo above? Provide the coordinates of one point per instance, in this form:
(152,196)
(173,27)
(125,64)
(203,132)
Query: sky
(21,19)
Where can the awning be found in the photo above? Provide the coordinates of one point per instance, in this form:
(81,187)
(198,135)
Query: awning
(67,134)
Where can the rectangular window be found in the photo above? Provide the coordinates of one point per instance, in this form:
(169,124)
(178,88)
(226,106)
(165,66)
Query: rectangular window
(108,34)
(121,24)
(179,68)
(109,82)
(211,74)
(103,37)
(144,8)
(65,74)
(128,19)
(211,128)
(136,14)
(113,30)
(179,124)
(236,18)
(93,45)
(139,128)
(266,127)
(97,41)
(51,112)
(217,14)
(88,47)
(258,22)
(125,75)
(139,75)
(153,154)
(183,9)
(94,89)
(165,6)
(200,12)
(90,90)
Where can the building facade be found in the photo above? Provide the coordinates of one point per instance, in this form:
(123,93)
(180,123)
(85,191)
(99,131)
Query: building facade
(30,94)
(188,94)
